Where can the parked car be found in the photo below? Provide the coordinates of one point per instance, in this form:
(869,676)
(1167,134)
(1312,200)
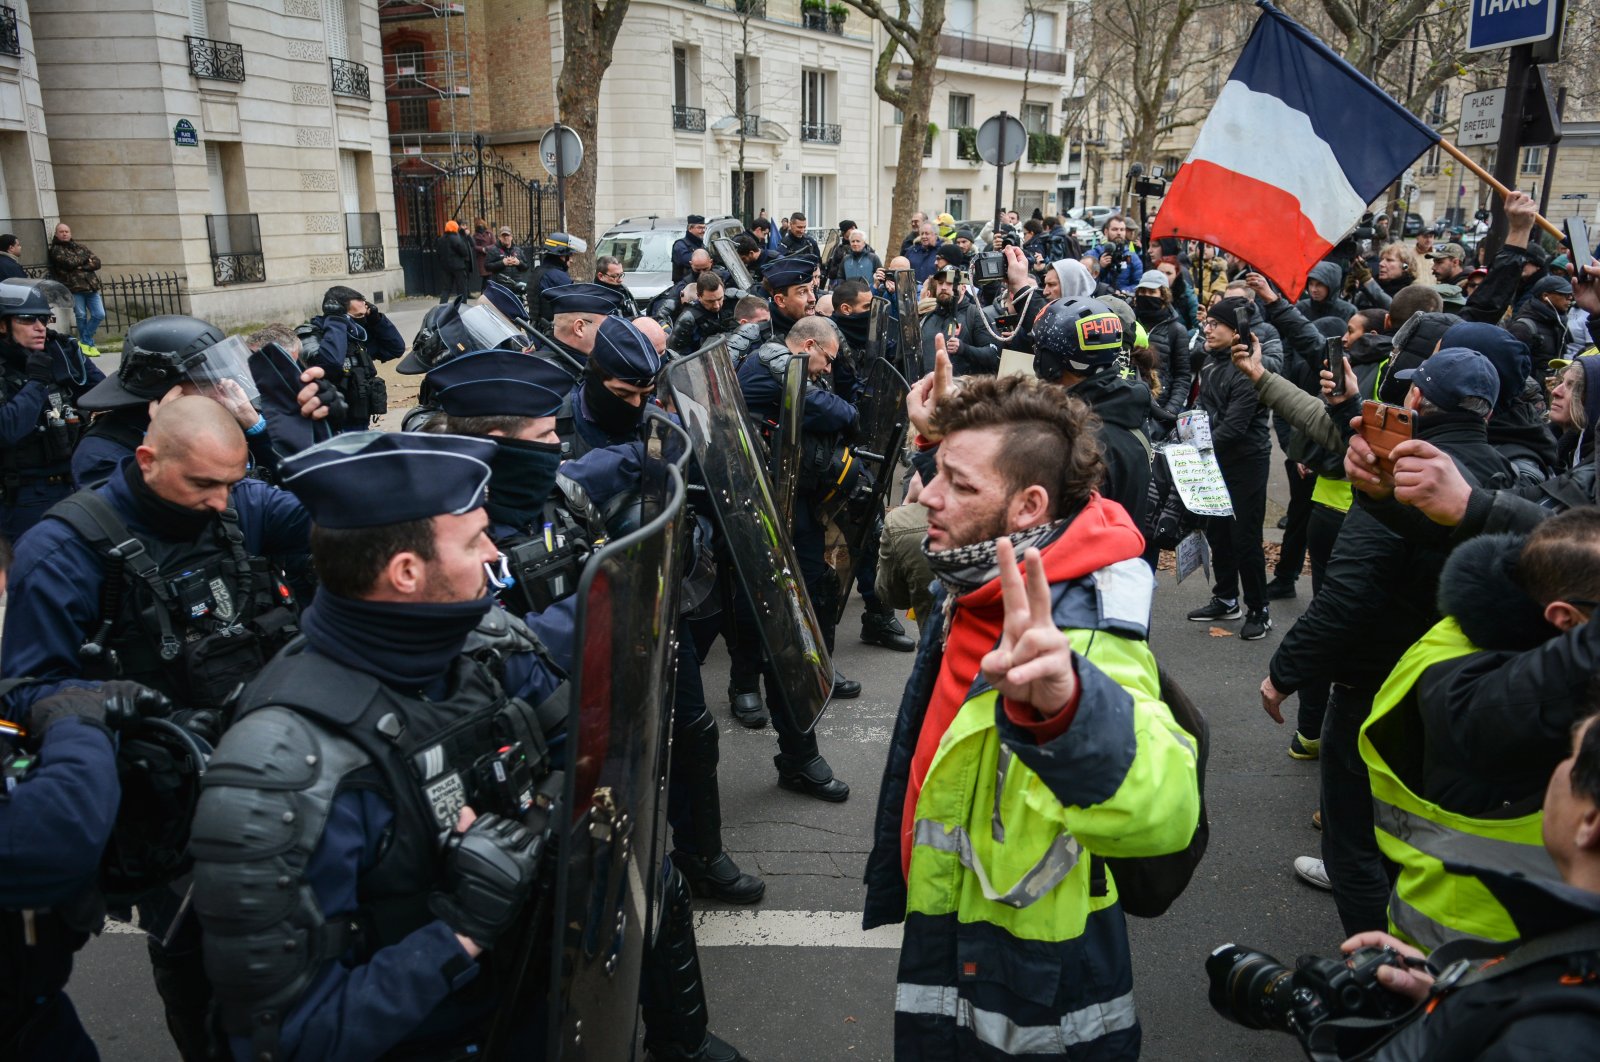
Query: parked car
(1412,225)
(644,245)
(1094,215)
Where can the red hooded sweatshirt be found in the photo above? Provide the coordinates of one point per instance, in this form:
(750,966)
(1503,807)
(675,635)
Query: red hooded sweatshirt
(1101,534)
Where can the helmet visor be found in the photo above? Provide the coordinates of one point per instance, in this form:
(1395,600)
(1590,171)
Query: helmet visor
(222,372)
(489,328)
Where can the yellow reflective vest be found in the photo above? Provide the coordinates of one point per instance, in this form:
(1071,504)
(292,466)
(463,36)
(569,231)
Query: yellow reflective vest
(1430,905)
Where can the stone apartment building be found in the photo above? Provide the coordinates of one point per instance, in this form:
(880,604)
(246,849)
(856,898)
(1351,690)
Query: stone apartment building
(789,83)
(236,144)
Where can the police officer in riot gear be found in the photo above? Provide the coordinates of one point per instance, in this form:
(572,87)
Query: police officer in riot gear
(791,292)
(555,253)
(160,576)
(42,376)
(370,740)
(828,418)
(57,809)
(347,340)
(159,357)
(513,399)
(575,312)
(619,378)
(709,317)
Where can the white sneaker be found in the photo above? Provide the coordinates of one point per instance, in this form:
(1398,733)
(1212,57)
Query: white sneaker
(1312,872)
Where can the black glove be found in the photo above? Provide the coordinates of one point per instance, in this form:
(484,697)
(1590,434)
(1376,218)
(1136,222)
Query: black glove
(203,723)
(114,704)
(41,365)
(331,397)
(488,873)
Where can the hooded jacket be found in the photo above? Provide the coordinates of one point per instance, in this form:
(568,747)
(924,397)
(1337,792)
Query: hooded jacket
(1519,428)
(1497,721)
(1168,342)
(1330,275)
(1539,325)
(1414,342)
(1121,405)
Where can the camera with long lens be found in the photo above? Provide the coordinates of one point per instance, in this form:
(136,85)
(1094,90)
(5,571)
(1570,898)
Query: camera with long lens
(988,267)
(1257,991)
(1364,228)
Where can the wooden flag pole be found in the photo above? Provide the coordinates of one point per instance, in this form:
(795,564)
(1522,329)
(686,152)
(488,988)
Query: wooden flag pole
(1487,178)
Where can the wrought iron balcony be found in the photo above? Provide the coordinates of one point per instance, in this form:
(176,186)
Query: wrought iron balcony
(363,239)
(750,125)
(218,60)
(236,256)
(689,119)
(10,43)
(350,79)
(819,133)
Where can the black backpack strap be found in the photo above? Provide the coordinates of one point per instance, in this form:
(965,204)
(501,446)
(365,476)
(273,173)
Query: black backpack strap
(87,513)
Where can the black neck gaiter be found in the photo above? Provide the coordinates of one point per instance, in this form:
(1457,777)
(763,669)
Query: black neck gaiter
(406,645)
(613,415)
(522,475)
(161,516)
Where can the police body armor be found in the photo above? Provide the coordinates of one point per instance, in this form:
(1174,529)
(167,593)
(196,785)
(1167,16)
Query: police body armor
(310,728)
(194,620)
(365,392)
(826,466)
(50,444)
(546,560)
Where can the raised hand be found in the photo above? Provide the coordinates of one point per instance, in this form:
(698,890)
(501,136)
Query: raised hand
(922,401)
(1033,662)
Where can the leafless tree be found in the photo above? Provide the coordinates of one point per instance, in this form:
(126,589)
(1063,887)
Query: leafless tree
(589,34)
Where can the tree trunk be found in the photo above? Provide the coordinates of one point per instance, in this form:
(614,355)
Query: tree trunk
(913,134)
(589,33)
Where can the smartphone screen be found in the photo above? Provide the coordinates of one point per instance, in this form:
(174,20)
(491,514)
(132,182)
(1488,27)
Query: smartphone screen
(1578,239)
(1335,363)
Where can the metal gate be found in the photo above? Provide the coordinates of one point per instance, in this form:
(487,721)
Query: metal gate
(428,191)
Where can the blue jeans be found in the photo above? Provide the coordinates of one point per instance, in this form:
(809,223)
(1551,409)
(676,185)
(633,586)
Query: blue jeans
(90,312)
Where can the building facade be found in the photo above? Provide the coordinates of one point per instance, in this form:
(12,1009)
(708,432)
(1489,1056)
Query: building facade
(241,144)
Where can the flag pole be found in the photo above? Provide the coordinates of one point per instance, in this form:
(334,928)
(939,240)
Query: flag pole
(1487,178)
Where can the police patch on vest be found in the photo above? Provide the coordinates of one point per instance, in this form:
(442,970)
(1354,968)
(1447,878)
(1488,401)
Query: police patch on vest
(447,797)
(221,600)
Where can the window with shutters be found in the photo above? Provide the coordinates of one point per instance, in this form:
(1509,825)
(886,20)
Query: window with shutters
(211,55)
(233,233)
(363,228)
(333,22)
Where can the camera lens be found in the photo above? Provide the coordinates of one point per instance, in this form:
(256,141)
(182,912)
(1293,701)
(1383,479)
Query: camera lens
(1249,987)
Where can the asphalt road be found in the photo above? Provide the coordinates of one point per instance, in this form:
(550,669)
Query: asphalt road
(794,979)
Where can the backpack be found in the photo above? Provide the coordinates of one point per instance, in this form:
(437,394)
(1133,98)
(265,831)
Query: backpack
(1147,885)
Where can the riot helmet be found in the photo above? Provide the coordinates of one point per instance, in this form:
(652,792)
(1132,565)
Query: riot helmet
(338,298)
(162,352)
(19,299)
(1078,335)
(441,337)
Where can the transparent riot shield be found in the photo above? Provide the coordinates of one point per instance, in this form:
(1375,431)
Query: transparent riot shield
(738,272)
(878,338)
(908,350)
(857,507)
(608,838)
(783,458)
(712,410)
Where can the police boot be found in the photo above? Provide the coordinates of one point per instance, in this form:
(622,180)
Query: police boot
(694,787)
(747,709)
(880,627)
(812,777)
(672,994)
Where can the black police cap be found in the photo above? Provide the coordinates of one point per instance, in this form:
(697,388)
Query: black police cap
(500,383)
(374,478)
(622,352)
(787,272)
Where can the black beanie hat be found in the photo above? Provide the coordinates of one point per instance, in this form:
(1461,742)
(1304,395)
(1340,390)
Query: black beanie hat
(1232,311)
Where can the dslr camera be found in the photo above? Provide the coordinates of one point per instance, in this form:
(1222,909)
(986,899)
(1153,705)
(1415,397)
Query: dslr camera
(1257,991)
(1364,229)
(988,267)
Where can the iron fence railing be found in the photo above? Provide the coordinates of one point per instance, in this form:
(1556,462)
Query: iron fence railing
(689,119)
(350,78)
(236,256)
(218,60)
(130,299)
(10,43)
(363,240)
(819,133)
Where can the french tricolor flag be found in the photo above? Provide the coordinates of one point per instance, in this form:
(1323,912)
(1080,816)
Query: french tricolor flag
(1296,146)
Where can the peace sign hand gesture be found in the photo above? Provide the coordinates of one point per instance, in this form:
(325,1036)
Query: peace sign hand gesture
(1033,662)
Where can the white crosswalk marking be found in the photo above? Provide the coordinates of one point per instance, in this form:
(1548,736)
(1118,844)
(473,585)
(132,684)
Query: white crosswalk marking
(790,929)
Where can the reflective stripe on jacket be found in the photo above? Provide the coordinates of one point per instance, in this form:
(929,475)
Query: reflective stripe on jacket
(1015,944)
(1429,905)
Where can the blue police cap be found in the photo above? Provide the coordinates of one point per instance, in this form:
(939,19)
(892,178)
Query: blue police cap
(1454,373)
(375,478)
(787,272)
(583,298)
(500,383)
(624,353)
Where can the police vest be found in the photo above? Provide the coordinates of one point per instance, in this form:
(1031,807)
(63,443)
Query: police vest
(194,619)
(545,559)
(311,728)
(365,392)
(1430,905)
(826,464)
(48,447)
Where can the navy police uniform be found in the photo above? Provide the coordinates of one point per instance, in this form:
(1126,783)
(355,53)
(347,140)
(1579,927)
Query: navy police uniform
(390,705)
(779,275)
(348,349)
(39,425)
(683,250)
